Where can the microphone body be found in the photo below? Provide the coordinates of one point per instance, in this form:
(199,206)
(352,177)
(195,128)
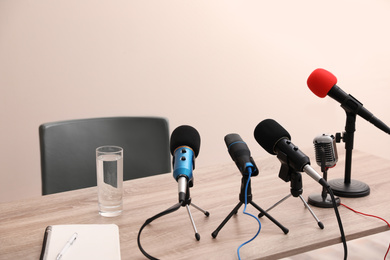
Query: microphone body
(322,83)
(297,160)
(184,146)
(182,169)
(240,154)
(351,105)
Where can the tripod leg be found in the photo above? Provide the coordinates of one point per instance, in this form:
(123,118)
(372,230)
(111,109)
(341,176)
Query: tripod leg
(284,229)
(234,211)
(312,213)
(276,204)
(197,236)
(201,210)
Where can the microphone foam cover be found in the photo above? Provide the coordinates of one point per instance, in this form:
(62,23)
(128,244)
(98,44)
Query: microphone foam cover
(185,135)
(321,81)
(268,133)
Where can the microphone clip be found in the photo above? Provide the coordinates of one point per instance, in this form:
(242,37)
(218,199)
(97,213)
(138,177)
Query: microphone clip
(288,174)
(285,169)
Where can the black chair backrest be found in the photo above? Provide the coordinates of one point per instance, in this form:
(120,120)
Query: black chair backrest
(68,149)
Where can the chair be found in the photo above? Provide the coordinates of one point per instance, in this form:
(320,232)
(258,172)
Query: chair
(67,149)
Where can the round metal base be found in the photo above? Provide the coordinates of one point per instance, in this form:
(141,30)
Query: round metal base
(317,201)
(354,189)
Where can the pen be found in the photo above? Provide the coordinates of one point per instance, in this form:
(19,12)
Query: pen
(67,245)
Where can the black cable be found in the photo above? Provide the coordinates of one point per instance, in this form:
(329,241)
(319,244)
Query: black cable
(339,221)
(148,221)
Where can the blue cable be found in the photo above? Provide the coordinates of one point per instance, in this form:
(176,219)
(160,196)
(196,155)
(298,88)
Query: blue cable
(246,195)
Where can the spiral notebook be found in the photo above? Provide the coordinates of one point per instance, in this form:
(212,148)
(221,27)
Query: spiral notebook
(94,241)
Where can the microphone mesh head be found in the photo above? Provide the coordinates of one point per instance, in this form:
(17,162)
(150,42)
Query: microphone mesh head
(320,82)
(268,133)
(325,150)
(185,135)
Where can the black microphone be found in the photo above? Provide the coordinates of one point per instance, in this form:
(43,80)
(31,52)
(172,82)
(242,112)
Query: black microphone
(276,140)
(325,150)
(240,154)
(321,82)
(184,146)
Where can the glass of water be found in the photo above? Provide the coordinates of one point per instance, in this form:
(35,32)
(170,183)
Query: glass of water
(109,170)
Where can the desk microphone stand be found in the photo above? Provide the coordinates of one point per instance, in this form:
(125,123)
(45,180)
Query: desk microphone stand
(288,174)
(347,187)
(244,181)
(323,200)
(186,203)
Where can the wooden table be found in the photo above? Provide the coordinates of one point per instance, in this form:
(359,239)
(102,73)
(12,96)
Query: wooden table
(216,189)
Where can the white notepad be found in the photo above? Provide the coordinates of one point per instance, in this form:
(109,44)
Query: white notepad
(94,241)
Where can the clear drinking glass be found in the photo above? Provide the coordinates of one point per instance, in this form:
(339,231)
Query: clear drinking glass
(109,170)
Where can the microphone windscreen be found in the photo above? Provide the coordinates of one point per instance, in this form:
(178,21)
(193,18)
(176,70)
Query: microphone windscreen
(321,81)
(185,135)
(268,133)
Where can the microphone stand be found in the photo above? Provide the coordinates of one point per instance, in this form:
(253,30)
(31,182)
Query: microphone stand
(175,207)
(186,203)
(288,174)
(348,187)
(244,180)
(323,200)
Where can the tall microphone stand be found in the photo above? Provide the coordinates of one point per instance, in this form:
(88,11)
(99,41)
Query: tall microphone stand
(347,187)
(288,174)
(244,181)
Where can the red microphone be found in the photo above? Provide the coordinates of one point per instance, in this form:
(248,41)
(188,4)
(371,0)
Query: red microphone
(321,82)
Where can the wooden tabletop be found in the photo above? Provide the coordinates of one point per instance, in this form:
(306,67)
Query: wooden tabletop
(216,189)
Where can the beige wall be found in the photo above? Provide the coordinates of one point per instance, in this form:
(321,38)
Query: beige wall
(220,66)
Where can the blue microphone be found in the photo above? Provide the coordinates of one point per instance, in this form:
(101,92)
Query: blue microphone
(184,145)
(241,154)
(182,169)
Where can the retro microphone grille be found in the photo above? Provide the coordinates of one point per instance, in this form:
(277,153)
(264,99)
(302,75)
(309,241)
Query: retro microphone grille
(325,144)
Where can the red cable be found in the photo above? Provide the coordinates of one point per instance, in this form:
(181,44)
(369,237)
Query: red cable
(368,215)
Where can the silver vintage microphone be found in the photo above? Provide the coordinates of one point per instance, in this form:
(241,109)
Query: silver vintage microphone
(326,157)
(325,149)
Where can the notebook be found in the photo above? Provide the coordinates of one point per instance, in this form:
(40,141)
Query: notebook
(94,241)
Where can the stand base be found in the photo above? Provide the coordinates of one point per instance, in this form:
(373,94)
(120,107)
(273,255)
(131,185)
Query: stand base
(354,189)
(316,200)
(235,210)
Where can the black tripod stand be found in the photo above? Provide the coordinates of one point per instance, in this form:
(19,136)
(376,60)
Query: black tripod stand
(244,181)
(288,174)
